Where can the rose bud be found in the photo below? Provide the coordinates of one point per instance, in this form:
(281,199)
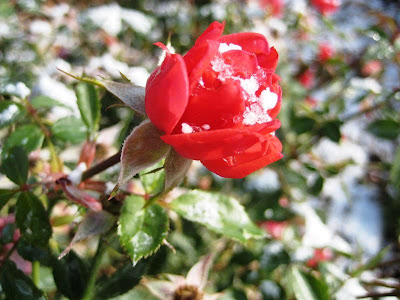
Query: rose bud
(218,103)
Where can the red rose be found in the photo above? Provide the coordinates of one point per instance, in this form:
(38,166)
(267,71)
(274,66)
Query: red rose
(326,7)
(218,103)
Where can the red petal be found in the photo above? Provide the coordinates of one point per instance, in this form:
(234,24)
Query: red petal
(216,108)
(212,144)
(215,144)
(268,61)
(167,93)
(198,59)
(246,163)
(213,32)
(243,63)
(249,41)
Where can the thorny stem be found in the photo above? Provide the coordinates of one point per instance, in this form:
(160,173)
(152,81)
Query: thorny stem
(89,290)
(100,167)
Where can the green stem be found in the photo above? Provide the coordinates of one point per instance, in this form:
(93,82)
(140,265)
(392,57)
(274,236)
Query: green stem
(152,200)
(35,272)
(89,291)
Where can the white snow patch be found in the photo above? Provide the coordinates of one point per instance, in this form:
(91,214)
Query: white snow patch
(255,114)
(317,234)
(76,175)
(264,181)
(40,27)
(223,47)
(250,86)
(186,128)
(18,89)
(9,112)
(205,210)
(52,88)
(268,99)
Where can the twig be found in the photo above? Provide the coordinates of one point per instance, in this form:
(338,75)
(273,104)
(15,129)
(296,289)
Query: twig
(100,167)
(378,282)
(371,108)
(395,293)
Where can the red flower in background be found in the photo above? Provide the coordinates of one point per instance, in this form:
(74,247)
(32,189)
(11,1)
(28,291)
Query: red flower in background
(326,7)
(218,103)
(325,52)
(307,78)
(21,263)
(274,228)
(320,254)
(371,67)
(275,7)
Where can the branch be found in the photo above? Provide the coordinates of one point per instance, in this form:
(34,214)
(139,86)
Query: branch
(395,293)
(100,167)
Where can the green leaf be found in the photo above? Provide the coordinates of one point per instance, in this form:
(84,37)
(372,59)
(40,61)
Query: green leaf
(331,130)
(16,285)
(15,165)
(273,256)
(122,281)
(332,274)
(138,292)
(306,286)
(32,219)
(217,212)
(10,112)
(44,102)
(302,124)
(372,262)
(271,291)
(386,129)
(6,9)
(317,185)
(5,195)
(294,178)
(94,223)
(70,275)
(7,234)
(142,149)
(141,231)
(32,253)
(394,172)
(89,105)
(70,129)
(131,95)
(153,182)
(29,136)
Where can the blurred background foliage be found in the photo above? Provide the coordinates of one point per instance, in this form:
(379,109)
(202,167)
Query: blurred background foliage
(330,207)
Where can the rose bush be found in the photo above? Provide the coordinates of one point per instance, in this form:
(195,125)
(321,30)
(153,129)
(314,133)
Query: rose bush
(218,103)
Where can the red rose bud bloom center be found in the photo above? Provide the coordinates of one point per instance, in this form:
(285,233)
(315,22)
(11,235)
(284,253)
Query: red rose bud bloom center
(218,103)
